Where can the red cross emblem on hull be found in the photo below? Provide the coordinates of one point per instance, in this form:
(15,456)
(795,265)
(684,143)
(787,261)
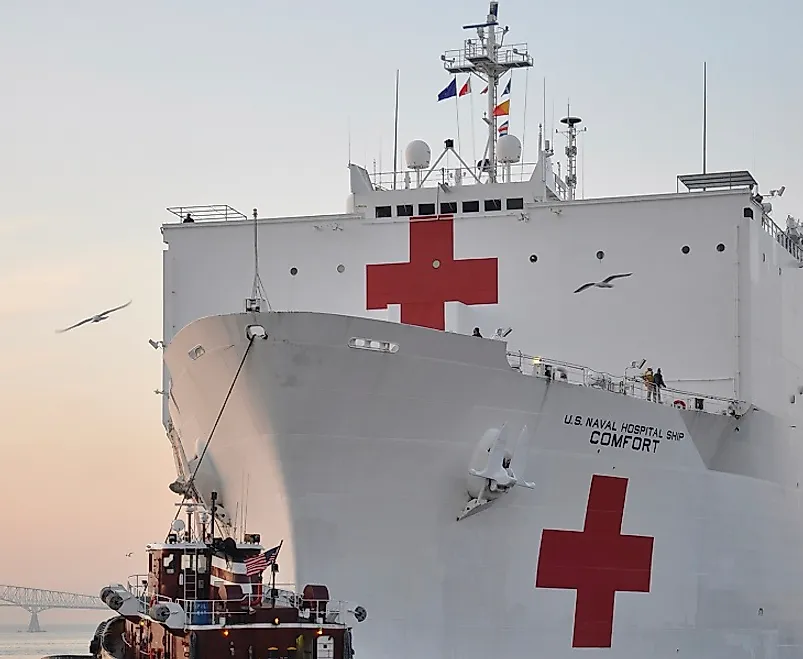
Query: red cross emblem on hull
(596,562)
(432,277)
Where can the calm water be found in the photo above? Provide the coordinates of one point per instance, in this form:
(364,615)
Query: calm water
(16,643)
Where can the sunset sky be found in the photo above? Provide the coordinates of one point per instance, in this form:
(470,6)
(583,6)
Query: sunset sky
(111,112)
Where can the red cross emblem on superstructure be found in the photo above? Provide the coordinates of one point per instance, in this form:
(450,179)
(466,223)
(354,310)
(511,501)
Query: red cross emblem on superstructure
(432,277)
(596,562)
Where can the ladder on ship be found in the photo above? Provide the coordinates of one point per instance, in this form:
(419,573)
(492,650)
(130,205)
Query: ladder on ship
(189,574)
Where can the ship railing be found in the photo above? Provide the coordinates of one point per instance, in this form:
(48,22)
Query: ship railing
(451,176)
(635,386)
(232,612)
(782,237)
(475,51)
(207,213)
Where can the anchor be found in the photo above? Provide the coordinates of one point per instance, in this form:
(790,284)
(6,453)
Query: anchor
(501,473)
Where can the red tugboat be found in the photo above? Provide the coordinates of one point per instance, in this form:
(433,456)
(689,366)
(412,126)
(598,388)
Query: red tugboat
(203,598)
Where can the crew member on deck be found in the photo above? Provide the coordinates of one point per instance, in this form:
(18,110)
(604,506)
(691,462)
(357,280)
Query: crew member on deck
(649,383)
(659,383)
(477,332)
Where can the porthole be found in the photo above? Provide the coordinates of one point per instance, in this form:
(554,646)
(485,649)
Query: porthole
(294,271)
(533,258)
(685,249)
(720,247)
(341,268)
(600,255)
(436,264)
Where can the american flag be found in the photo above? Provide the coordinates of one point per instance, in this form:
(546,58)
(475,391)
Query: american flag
(257,564)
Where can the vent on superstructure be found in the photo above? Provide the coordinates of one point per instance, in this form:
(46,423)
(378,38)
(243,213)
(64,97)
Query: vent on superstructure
(719,181)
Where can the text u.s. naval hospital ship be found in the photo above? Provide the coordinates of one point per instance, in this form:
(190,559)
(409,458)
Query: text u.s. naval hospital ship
(489,496)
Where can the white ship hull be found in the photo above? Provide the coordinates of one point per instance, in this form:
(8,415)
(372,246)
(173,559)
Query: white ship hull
(359,460)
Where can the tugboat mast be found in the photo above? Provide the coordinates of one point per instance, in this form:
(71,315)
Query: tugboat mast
(488,59)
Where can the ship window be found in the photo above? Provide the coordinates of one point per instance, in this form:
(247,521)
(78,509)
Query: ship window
(449,207)
(720,247)
(202,564)
(167,561)
(685,249)
(404,210)
(515,204)
(493,204)
(426,209)
(533,258)
(187,562)
(294,271)
(383,211)
(600,255)
(471,207)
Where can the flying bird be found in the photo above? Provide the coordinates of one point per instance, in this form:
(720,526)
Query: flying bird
(129,554)
(96,318)
(605,283)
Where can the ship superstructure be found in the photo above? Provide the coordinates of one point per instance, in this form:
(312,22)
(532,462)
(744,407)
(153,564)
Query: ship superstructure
(527,489)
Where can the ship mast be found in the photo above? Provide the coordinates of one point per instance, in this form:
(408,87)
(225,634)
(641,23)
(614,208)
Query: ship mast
(488,59)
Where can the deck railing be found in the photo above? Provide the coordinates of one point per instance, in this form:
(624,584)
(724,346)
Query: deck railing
(552,369)
(239,611)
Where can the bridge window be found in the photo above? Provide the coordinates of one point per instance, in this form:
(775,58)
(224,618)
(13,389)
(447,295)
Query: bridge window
(493,204)
(515,204)
(383,211)
(471,207)
(426,209)
(404,210)
(448,207)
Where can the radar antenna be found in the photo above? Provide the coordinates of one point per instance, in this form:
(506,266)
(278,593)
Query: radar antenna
(489,60)
(571,149)
(258,294)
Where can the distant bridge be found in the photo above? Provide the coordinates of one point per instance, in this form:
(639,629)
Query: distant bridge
(35,600)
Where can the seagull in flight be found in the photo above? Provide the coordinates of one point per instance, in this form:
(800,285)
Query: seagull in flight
(605,283)
(104,315)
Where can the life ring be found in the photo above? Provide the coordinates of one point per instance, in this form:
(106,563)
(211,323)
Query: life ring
(681,405)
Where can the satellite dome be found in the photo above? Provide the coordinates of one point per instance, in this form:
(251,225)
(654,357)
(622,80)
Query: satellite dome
(508,148)
(417,154)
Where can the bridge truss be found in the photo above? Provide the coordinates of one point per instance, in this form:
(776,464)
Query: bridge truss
(36,600)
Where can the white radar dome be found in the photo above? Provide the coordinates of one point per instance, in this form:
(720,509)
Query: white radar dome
(508,148)
(417,154)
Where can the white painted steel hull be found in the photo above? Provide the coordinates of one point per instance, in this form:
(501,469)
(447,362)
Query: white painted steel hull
(359,461)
